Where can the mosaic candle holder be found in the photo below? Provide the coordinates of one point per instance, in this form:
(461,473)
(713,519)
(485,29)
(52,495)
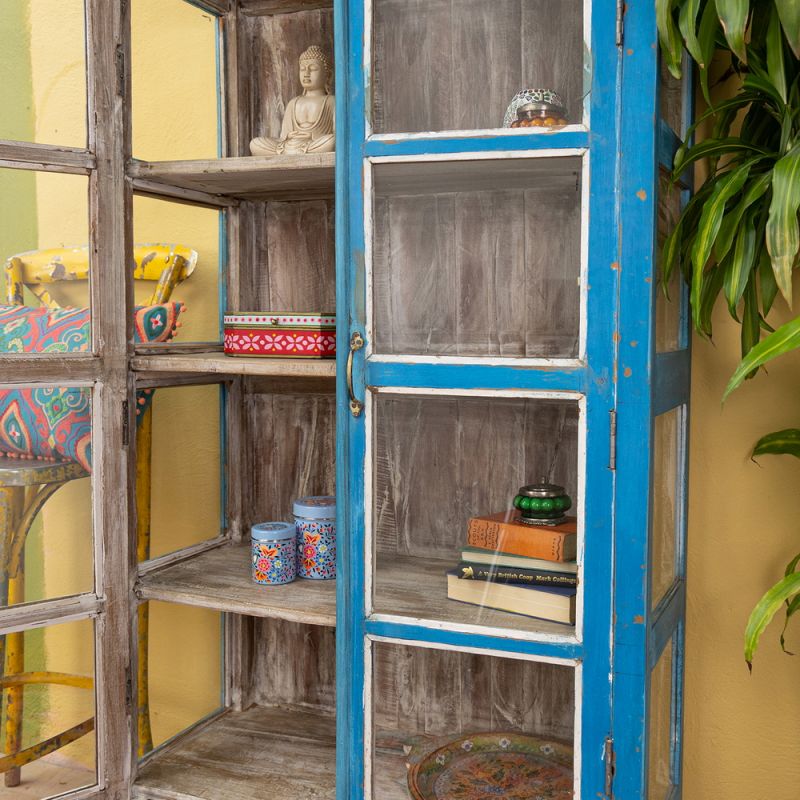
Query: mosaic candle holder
(274,553)
(542,503)
(315,524)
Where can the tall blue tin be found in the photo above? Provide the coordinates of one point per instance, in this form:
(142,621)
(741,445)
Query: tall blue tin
(274,553)
(315,524)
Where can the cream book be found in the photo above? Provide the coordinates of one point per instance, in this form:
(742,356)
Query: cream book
(556,604)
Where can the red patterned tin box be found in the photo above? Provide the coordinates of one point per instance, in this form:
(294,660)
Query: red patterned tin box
(280,334)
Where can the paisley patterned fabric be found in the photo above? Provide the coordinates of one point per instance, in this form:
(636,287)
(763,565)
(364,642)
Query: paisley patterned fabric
(52,423)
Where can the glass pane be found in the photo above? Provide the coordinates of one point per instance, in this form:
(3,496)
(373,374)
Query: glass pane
(669,303)
(184,660)
(45,493)
(43,244)
(667,446)
(456,64)
(478,258)
(43,64)
(659,781)
(438,713)
(174,82)
(185,490)
(49,692)
(193,231)
(671,97)
(442,464)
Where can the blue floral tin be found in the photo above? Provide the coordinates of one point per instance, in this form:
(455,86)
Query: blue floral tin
(274,553)
(315,524)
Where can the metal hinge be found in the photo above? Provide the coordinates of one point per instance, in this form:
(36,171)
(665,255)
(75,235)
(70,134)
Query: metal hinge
(125,424)
(610,759)
(620,22)
(612,451)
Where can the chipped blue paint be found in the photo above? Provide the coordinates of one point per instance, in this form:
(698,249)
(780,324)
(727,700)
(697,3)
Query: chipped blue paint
(620,307)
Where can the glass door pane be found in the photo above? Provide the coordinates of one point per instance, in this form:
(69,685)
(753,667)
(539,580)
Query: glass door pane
(470,725)
(478,258)
(446,470)
(443,65)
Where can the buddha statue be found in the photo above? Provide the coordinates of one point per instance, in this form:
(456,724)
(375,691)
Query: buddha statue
(308,122)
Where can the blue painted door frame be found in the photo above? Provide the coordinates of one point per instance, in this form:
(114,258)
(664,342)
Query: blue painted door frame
(619,374)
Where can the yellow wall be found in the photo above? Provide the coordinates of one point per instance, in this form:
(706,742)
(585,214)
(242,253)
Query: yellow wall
(48,100)
(740,730)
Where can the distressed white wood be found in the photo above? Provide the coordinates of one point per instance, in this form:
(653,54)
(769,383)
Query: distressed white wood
(179,556)
(28,616)
(220,579)
(48,158)
(289,753)
(248,177)
(221,364)
(61,370)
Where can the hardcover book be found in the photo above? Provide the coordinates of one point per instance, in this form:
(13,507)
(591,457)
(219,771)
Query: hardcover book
(470,570)
(551,603)
(504,532)
(495,560)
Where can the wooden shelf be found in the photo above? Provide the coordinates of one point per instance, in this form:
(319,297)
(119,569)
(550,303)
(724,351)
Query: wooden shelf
(286,753)
(417,588)
(221,364)
(248,178)
(220,579)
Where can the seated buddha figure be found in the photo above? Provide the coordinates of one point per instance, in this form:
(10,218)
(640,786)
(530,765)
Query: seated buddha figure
(308,122)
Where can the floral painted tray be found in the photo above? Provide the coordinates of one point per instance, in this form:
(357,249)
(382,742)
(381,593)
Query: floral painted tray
(507,765)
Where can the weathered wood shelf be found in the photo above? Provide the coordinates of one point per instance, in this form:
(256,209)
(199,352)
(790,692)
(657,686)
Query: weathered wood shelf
(220,364)
(417,588)
(220,579)
(248,178)
(286,753)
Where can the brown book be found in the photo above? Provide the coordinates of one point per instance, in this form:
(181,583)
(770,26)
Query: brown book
(504,533)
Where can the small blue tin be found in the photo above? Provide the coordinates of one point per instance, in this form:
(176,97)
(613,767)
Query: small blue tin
(274,553)
(315,522)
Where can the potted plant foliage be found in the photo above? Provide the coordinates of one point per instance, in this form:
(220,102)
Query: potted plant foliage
(738,236)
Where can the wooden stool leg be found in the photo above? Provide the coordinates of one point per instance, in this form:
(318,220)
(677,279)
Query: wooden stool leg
(13,657)
(15,663)
(144,433)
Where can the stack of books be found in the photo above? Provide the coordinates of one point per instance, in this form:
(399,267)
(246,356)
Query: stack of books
(513,566)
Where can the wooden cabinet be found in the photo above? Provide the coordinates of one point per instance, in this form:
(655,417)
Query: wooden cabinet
(504,283)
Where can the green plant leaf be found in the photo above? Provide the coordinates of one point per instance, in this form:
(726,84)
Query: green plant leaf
(783,237)
(733,16)
(712,286)
(707,39)
(687,23)
(730,224)
(671,45)
(785,442)
(785,339)
(766,281)
(775,64)
(710,220)
(792,607)
(737,274)
(751,321)
(714,148)
(765,610)
(789,12)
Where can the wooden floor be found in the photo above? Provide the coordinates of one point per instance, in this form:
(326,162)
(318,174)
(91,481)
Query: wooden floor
(47,778)
(286,754)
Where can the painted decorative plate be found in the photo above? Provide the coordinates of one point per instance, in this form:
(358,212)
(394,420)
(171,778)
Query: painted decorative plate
(484,765)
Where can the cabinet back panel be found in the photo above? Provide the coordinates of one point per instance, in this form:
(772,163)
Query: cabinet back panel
(293,664)
(292,444)
(441,460)
(445,693)
(269,52)
(480,272)
(288,256)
